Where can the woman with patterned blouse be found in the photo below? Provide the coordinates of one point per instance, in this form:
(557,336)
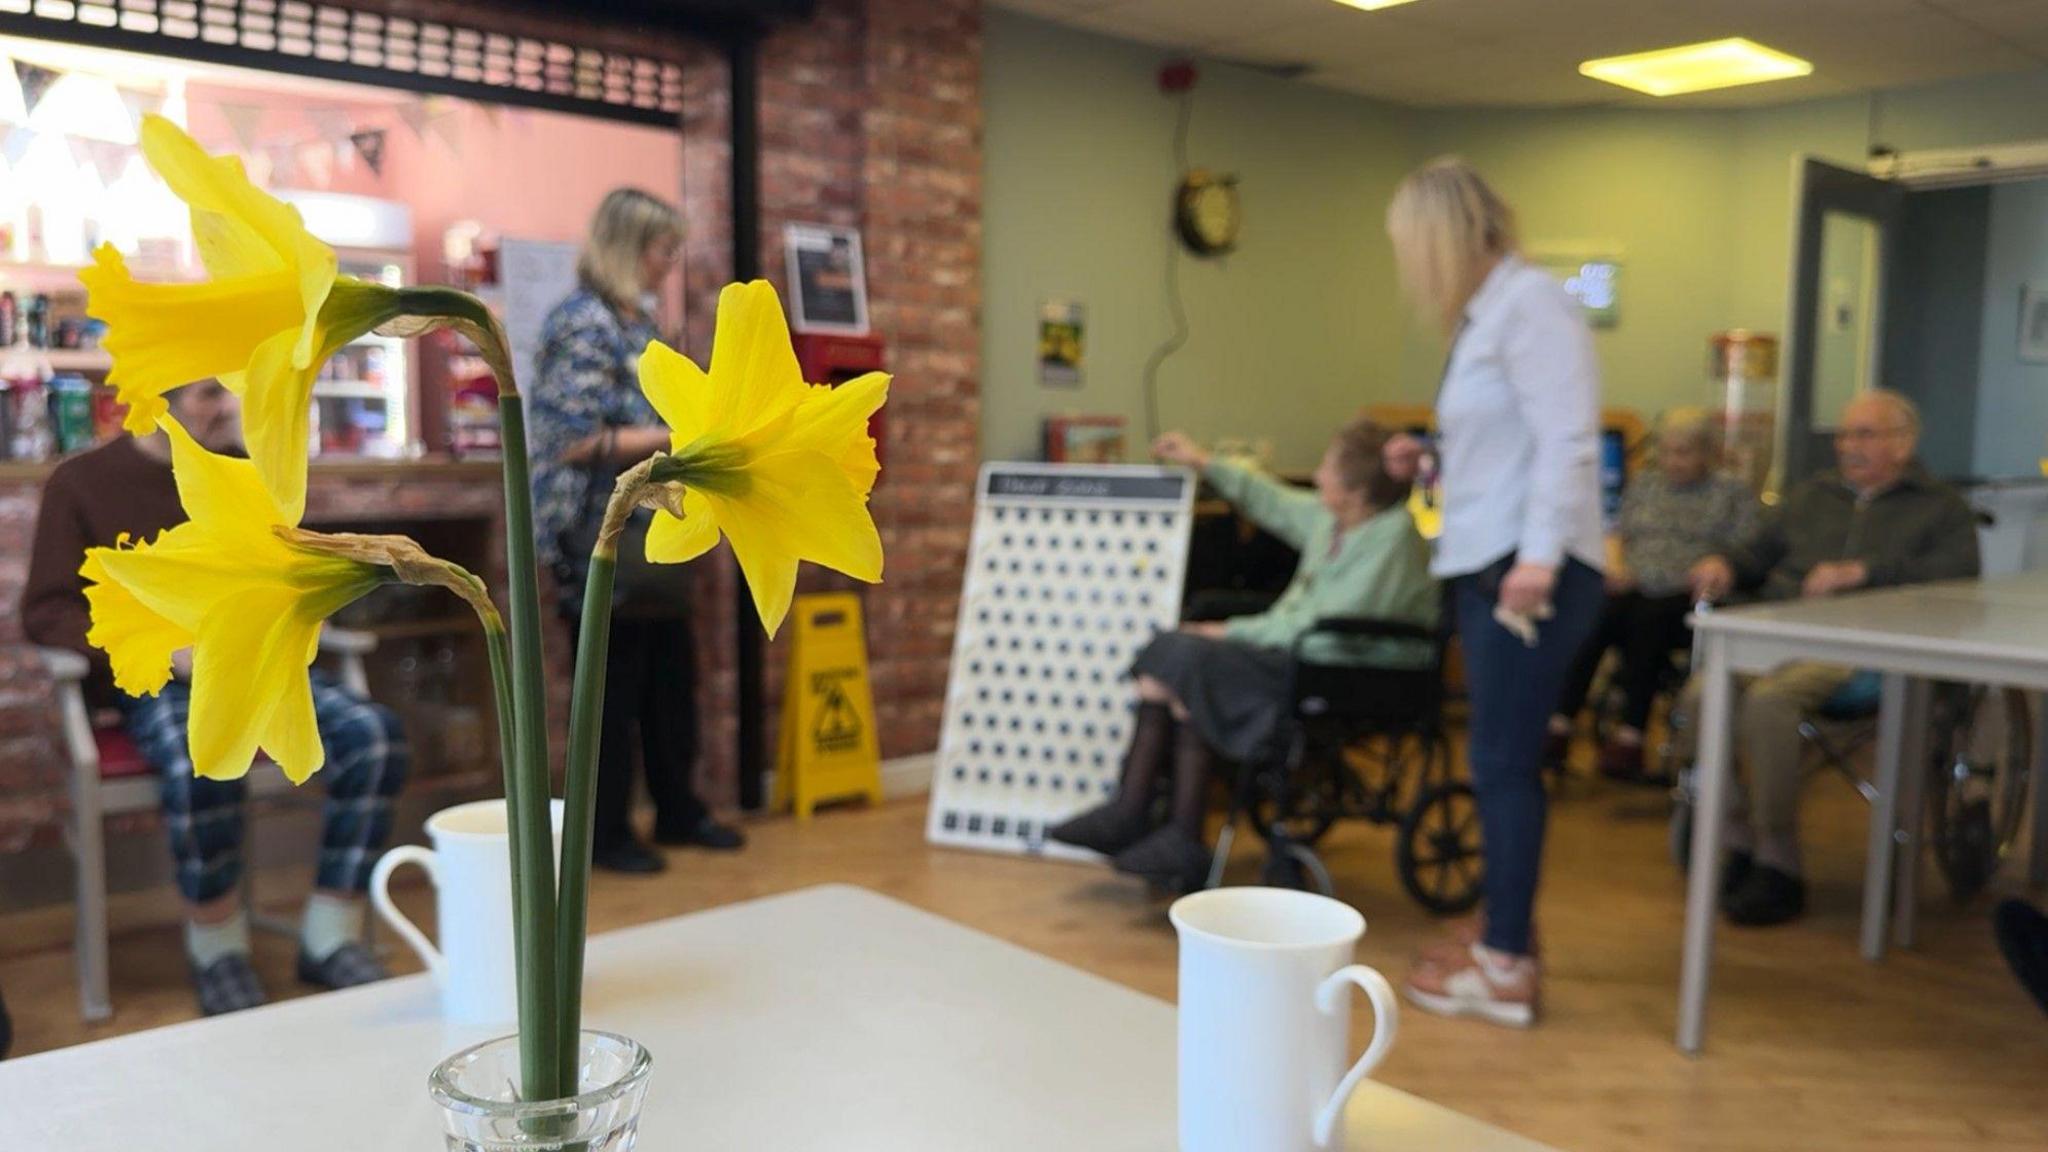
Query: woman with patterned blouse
(589,420)
(1670,518)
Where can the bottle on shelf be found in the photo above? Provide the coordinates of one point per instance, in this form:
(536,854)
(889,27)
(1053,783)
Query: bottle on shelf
(10,319)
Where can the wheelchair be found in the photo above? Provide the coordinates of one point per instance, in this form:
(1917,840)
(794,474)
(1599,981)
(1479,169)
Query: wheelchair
(1979,757)
(1362,742)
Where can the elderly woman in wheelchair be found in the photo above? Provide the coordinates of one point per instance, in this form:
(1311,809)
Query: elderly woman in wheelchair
(1219,688)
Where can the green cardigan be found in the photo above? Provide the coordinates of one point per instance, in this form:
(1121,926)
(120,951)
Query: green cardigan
(1379,568)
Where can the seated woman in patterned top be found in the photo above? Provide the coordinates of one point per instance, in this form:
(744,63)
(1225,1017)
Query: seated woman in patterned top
(1670,518)
(1218,688)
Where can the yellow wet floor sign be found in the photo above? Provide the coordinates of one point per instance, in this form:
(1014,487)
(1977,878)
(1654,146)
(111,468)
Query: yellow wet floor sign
(828,748)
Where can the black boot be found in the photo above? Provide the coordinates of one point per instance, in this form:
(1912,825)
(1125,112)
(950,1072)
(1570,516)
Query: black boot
(1767,896)
(1108,828)
(1169,858)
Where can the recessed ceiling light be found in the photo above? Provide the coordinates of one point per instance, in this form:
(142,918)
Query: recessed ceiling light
(1697,67)
(1373,5)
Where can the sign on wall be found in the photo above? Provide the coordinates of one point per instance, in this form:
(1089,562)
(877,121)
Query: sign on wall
(828,281)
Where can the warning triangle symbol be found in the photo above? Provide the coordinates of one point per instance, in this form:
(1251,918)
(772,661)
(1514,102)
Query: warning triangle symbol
(838,723)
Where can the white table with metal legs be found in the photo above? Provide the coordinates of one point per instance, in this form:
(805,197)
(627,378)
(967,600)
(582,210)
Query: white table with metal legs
(1974,631)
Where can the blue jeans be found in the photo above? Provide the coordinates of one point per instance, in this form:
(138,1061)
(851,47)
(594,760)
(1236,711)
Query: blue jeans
(366,766)
(1513,688)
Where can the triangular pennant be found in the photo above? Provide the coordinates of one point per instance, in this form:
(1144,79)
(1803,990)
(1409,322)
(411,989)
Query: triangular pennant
(332,124)
(244,121)
(284,167)
(415,116)
(35,80)
(108,159)
(448,126)
(491,113)
(316,160)
(258,166)
(370,146)
(15,146)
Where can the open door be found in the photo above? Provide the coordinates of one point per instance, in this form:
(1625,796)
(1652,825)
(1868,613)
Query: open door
(1845,240)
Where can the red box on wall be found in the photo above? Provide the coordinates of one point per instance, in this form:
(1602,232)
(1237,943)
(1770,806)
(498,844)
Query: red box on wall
(830,358)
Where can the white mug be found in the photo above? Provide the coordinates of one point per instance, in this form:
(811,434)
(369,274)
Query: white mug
(1264,1022)
(471,867)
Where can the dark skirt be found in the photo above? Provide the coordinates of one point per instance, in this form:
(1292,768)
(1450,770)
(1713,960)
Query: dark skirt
(1235,693)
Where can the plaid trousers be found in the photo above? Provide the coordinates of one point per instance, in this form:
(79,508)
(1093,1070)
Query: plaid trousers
(366,766)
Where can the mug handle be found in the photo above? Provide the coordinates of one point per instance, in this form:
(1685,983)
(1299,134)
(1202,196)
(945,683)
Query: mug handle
(1386,1015)
(380,898)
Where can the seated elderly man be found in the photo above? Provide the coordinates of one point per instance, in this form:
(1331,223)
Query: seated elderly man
(1879,520)
(125,488)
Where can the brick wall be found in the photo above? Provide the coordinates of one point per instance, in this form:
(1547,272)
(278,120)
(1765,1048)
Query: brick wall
(871,116)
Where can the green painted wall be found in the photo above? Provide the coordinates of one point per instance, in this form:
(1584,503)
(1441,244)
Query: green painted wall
(1291,332)
(1654,189)
(1302,326)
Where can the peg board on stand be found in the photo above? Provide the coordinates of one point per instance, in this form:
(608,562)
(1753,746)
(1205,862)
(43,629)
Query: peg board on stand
(1071,569)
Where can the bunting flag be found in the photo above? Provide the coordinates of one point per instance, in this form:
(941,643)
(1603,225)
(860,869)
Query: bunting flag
(107,159)
(15,145)
(35,81)
(244,121)
(331,124)
(369,145)
(415,116)
(447,125)
(260,168)
(490,111)
(316,160)
(284,167)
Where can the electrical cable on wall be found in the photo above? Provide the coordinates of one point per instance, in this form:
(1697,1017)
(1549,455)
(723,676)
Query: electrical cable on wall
(1186,97)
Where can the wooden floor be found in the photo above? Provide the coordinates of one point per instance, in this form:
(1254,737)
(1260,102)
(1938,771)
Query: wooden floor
(1811,1049)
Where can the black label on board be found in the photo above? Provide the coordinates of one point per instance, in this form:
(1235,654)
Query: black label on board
(1081,485)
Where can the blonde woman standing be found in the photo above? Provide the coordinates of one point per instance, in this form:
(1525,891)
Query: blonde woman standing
(589,421)
(1518,420)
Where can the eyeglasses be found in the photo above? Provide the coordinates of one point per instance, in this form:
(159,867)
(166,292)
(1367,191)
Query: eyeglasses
(1866,435)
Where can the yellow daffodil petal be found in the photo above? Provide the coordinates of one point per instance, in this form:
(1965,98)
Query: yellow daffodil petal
(753,364)
(240,228)
(249,661)
(795,506)
(276,418)
(224,494)
(137,640)
(679,391)
(834,420)
(673,541)
(180,576)
(162,336)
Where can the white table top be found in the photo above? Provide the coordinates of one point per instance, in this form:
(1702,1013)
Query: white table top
(830,1018)
(1999,619)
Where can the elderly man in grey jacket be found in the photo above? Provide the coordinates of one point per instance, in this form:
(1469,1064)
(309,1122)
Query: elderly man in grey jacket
(1877,521)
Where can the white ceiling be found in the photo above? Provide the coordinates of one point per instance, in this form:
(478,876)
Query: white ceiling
(1443,53)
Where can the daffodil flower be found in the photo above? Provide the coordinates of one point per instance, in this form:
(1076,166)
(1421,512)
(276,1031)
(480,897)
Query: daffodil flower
(272,312)
(243,587)
(782,469)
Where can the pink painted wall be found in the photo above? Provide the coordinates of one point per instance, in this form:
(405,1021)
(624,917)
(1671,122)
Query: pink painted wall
(526,173)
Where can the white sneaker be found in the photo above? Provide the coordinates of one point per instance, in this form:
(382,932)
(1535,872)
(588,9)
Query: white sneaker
(1482,983)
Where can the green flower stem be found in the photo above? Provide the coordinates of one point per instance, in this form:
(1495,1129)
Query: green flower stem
(586,712)
(540,1053)
(508,754)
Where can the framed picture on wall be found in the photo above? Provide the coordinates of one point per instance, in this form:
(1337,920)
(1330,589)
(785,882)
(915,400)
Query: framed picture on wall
(829,286)
(2034,323)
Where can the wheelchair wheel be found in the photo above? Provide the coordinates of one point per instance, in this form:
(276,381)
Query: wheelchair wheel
(1977,782)
(1439,855)
(1294,811)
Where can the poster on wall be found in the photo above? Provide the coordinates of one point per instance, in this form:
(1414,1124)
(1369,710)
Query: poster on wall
(830,287)
(1060,324)
(537,275)
(2034,323)
(1592,280)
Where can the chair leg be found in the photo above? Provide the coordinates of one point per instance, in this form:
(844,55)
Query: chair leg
(89,854)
